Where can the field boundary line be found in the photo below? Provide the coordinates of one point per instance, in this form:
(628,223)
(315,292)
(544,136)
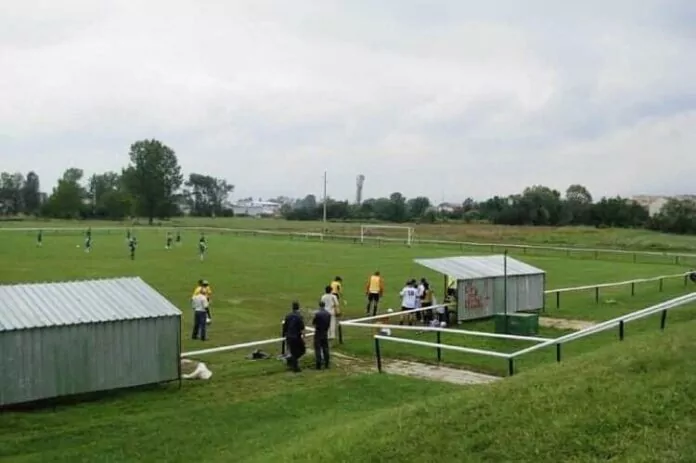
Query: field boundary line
(378,239)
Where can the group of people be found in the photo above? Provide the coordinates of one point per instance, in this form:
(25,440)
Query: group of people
(200,303)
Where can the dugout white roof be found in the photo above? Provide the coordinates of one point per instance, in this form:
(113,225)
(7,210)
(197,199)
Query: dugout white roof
(475,267)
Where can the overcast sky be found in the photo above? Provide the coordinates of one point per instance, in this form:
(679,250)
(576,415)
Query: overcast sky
(443,98)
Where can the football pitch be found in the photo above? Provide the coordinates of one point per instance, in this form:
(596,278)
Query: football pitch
(248,409)
(255,279)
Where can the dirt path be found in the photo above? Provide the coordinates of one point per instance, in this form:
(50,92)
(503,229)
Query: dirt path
(565,324)
(415,369)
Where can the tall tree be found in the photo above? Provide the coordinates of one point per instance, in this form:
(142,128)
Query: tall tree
(31,193)
(110,198)
(417,207)
(153,178)
(207,195)
(69,197)
(11,193)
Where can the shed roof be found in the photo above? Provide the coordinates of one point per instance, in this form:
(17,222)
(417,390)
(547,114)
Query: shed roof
(36,305)
(472,267)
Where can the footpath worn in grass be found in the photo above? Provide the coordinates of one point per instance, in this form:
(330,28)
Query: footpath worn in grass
(632,401)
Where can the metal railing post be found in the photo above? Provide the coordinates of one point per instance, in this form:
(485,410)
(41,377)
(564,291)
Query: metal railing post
(558,352)
(633,289)
(663,320)
(378,355)
(558,299)
(439,350)
(511,366)
(340,334)
(596,295)
(282,335)
(662,282)
(621,330)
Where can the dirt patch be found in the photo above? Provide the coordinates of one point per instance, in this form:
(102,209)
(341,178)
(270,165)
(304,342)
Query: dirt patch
(437,373)
(565,324)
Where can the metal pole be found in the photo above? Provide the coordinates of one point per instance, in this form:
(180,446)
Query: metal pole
(378,354)
(505,294)
(324,200)
(558,352)
(340,334)
(439,351)
(621,330)
(663,320)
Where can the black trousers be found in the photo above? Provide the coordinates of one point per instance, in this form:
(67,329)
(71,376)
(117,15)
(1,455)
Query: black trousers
(321,352)
(297,349)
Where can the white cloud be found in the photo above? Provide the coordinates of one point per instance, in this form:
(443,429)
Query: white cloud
(459,98)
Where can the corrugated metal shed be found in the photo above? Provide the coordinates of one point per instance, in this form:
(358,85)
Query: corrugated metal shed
(69,338)
(36,305)
(475,267)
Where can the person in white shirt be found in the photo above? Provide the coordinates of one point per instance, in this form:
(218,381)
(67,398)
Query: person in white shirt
(199,303)
(409,300)
(333,307)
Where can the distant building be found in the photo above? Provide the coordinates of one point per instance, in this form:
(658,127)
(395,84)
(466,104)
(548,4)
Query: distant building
(654,203)
(256,208)
(448,208)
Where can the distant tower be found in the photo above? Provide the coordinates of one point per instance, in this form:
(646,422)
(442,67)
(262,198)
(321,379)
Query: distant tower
(359,182)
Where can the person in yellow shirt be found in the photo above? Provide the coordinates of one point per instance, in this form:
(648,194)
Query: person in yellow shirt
(374,290)
(337,287)
(204,288)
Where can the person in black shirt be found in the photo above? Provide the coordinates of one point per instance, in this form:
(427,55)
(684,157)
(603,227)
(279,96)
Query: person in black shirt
(321,322)
(293,332)
(132,244)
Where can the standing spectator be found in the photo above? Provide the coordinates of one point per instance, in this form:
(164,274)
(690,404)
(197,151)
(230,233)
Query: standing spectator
(321,322)
(200,305)
(293,332)
(374,291)
(427,301)
(332,306)
(409,300)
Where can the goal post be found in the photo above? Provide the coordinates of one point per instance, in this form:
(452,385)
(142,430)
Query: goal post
(365,231)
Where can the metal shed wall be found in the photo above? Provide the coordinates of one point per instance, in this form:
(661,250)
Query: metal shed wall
(60,360)
(484,297)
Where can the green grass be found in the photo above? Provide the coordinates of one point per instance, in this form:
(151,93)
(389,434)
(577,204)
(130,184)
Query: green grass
(255,411)
(631,401)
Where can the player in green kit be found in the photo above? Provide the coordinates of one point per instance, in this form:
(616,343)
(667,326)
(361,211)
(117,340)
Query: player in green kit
(169,241)
(88,240)
(178,238)
(132,245)
(39,239)
(202,246)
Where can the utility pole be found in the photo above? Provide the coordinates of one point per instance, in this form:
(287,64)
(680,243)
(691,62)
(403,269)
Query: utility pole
(324,200)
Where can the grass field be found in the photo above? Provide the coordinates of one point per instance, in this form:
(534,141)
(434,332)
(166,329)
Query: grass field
(252,411)
(634,239)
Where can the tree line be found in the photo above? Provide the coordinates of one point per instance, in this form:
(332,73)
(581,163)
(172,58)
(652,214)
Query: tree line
(152,185)
(536,205)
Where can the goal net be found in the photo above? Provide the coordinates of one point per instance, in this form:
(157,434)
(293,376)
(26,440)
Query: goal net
(377,231)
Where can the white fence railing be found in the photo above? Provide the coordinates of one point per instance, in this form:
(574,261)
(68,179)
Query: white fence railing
(662,308)
(246,345)
(672,257)
(597,287)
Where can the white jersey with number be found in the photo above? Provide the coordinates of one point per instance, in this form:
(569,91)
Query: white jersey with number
(409,297)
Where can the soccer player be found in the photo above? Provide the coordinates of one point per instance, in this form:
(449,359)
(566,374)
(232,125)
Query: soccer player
(409,300)
(88,240)
(39,239)
(337,289)
(169,241)
(178,238)
(202,246)
(132,245)
(128,236)
(332,306)
(374,291)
